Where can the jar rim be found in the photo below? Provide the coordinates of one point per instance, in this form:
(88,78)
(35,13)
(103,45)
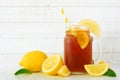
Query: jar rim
(79,26)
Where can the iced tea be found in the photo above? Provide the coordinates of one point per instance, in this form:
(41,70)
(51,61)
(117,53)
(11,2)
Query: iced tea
(76,57)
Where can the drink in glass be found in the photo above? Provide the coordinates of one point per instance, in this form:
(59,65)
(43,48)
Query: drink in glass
(77,48)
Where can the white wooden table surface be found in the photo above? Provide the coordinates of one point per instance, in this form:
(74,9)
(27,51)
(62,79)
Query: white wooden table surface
(9,64)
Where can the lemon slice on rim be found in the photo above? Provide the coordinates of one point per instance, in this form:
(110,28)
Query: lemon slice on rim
(52,64)
(91,25)
(96,70)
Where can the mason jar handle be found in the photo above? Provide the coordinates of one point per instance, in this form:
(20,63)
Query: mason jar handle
(99,52)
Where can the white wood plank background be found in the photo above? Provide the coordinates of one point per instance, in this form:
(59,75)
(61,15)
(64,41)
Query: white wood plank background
(37,24)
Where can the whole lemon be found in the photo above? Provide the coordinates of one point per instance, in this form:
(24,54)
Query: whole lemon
(33,60)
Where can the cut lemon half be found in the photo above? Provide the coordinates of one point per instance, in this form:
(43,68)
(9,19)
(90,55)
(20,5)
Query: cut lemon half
(91,25)
(96,70)
(64,71)
(82,39)
(52,64)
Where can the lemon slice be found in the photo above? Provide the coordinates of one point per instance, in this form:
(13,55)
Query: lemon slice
(52,64)
(82,39)
(96,70)
(82,35)
(64,71)
(91,25)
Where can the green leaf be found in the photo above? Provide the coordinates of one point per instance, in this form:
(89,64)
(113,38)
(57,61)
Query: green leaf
(22,71)
(110,73)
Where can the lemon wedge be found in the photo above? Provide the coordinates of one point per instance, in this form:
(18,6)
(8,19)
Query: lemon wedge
(96,70)
(64,71)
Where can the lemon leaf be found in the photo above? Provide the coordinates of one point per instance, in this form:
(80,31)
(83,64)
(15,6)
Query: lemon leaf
(110,73)
(23,71)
